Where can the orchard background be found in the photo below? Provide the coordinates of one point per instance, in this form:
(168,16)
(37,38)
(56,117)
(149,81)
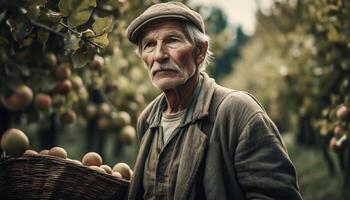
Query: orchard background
(69,78)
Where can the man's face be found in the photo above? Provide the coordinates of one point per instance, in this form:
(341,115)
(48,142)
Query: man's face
(167,54)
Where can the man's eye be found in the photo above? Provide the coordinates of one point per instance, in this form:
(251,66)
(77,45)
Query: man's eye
(170,40)
(148,44)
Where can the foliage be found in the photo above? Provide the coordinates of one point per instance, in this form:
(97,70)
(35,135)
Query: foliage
(230,54)
(70,58)
(298,62)
(220,33)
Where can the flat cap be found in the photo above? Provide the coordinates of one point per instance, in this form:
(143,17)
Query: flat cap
(172,9)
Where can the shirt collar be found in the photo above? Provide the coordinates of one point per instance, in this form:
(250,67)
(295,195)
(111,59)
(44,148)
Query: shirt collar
(198,108)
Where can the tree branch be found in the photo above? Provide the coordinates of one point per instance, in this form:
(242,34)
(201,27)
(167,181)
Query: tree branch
(71,30)
(46,28)
(80,35)
(50,30)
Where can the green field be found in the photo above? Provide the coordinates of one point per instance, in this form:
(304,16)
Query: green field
(314,180)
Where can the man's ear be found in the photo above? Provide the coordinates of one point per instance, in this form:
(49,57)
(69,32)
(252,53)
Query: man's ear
(200,52)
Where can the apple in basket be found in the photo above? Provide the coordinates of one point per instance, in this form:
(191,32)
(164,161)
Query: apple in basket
(44,152)
(92,159)
(107,168)
(58,152)
(99,169)
(14,142)
(124,170)
(31,152)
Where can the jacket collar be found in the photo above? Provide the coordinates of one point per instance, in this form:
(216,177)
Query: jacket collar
(197,109)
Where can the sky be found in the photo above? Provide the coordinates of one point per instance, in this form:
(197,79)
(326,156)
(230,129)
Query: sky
(238,11)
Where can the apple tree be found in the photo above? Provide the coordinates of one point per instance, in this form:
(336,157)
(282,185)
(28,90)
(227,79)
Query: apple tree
(68,58)
(298,64)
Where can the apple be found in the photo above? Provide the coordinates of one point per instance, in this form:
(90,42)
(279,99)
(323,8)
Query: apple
(97,63)
(107,168)
(117,174)
(44,152)
(343,113)
(123,169)
(30,152)
(92,159)
(58,152)
(50,60)
(64,87)
(14,142)
(121,119)
(63,72)
(99,169)
(77,82)
(11,102)
(104,109)
(21,97)
(90,110)
(128,134)
(68,117)
(43,101)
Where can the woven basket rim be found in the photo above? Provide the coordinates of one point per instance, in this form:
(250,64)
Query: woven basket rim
(38,158)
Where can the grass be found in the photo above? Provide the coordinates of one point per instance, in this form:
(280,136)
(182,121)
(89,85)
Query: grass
(314,180)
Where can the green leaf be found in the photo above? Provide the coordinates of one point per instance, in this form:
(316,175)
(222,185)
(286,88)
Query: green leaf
(102,40)
(103,25)
(33,11)
(50,17)
(67,7)
(77,11)
(81,57)
(79,18)
(59,27)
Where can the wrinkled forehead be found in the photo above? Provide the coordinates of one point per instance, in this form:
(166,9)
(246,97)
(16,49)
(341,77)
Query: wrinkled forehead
(161,25)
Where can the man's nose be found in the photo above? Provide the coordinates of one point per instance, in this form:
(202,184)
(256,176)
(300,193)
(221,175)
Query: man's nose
(161,53)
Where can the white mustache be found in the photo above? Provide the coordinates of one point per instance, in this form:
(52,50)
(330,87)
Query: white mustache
(164,67)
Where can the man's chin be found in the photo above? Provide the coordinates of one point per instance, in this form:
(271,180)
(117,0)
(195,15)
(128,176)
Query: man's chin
(165,85)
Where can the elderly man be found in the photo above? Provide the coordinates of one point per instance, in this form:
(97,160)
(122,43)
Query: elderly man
(200,140)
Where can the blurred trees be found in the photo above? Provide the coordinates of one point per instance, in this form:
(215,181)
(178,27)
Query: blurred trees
(224,62)
(226,40)
(297,63)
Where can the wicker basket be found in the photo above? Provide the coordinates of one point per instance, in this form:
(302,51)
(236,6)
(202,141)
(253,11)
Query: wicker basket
(47,177)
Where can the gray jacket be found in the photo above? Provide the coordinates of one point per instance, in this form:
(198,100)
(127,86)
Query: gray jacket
(243,156)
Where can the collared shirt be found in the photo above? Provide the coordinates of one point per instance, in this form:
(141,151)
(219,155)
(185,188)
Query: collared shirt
(170,122)
(164,156)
